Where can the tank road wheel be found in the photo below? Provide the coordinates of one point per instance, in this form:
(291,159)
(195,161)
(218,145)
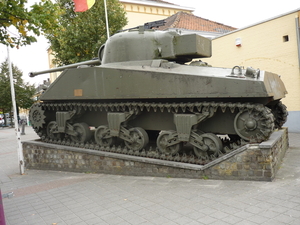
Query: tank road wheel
(37,116)
(102,136)
(254,125)
(51,128)
(280,113)
(164,142)
(139,139)
(210,145)
(82,131)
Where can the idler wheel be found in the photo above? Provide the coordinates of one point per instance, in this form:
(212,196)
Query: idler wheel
(103,137)
(254,125)
(37,116)
(51,131)
(210,145)
(167,142)
(138,139)
(245,124)
(82,131)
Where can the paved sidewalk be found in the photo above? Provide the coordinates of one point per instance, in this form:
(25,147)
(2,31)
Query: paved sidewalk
(57,198)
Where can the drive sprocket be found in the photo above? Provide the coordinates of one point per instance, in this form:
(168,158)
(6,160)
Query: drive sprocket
(37,116)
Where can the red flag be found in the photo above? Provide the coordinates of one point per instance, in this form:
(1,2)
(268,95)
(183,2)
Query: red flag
(83,5)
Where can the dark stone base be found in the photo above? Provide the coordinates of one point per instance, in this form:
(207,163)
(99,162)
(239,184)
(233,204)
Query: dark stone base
(257,162)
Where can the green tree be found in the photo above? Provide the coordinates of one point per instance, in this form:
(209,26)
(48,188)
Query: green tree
(80,35)
(24,92)
(18,24)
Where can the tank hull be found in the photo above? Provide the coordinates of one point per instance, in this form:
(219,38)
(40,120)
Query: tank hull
(161,81)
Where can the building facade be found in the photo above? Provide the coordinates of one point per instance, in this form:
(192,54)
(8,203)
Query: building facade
(272,45)
(139,12)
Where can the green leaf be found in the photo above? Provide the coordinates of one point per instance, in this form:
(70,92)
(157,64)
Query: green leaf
(79,35)
(25,24)
(23,91)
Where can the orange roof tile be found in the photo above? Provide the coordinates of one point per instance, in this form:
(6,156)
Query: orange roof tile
(189,21)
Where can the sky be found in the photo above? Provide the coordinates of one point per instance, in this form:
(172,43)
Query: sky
(235,13)
(239,13)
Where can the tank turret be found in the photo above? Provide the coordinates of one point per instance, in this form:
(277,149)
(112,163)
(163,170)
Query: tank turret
(137,45)
(147,95)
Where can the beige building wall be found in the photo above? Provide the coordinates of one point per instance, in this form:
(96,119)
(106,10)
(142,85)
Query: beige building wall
(138,14)
(53,75)
(270,46)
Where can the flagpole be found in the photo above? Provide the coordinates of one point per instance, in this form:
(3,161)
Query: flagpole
(106,19)
(13,98)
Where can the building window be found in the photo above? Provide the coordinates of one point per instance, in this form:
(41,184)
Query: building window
(286,38)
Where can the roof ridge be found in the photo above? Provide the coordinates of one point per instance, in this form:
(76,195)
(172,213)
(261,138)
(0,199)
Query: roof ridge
(189,21)
(177,19)
(190,14)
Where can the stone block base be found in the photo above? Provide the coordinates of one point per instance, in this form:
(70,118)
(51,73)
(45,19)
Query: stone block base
(257,162)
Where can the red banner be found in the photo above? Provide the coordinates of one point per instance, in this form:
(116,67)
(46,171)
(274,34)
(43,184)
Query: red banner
(83,5)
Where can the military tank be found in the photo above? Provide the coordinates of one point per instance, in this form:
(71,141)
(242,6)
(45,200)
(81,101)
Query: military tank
(149,92)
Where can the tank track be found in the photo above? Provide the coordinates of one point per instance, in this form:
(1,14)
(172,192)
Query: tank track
(264,114)
(280,113)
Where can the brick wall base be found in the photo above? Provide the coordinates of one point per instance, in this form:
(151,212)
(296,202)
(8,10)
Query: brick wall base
(257,162)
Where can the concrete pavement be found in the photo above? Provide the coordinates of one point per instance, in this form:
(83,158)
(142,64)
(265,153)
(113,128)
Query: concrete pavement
(59,198)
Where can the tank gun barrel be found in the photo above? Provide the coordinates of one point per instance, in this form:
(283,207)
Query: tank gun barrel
(61,68)
(148,26)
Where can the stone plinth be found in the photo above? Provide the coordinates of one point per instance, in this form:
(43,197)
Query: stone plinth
(258,162)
